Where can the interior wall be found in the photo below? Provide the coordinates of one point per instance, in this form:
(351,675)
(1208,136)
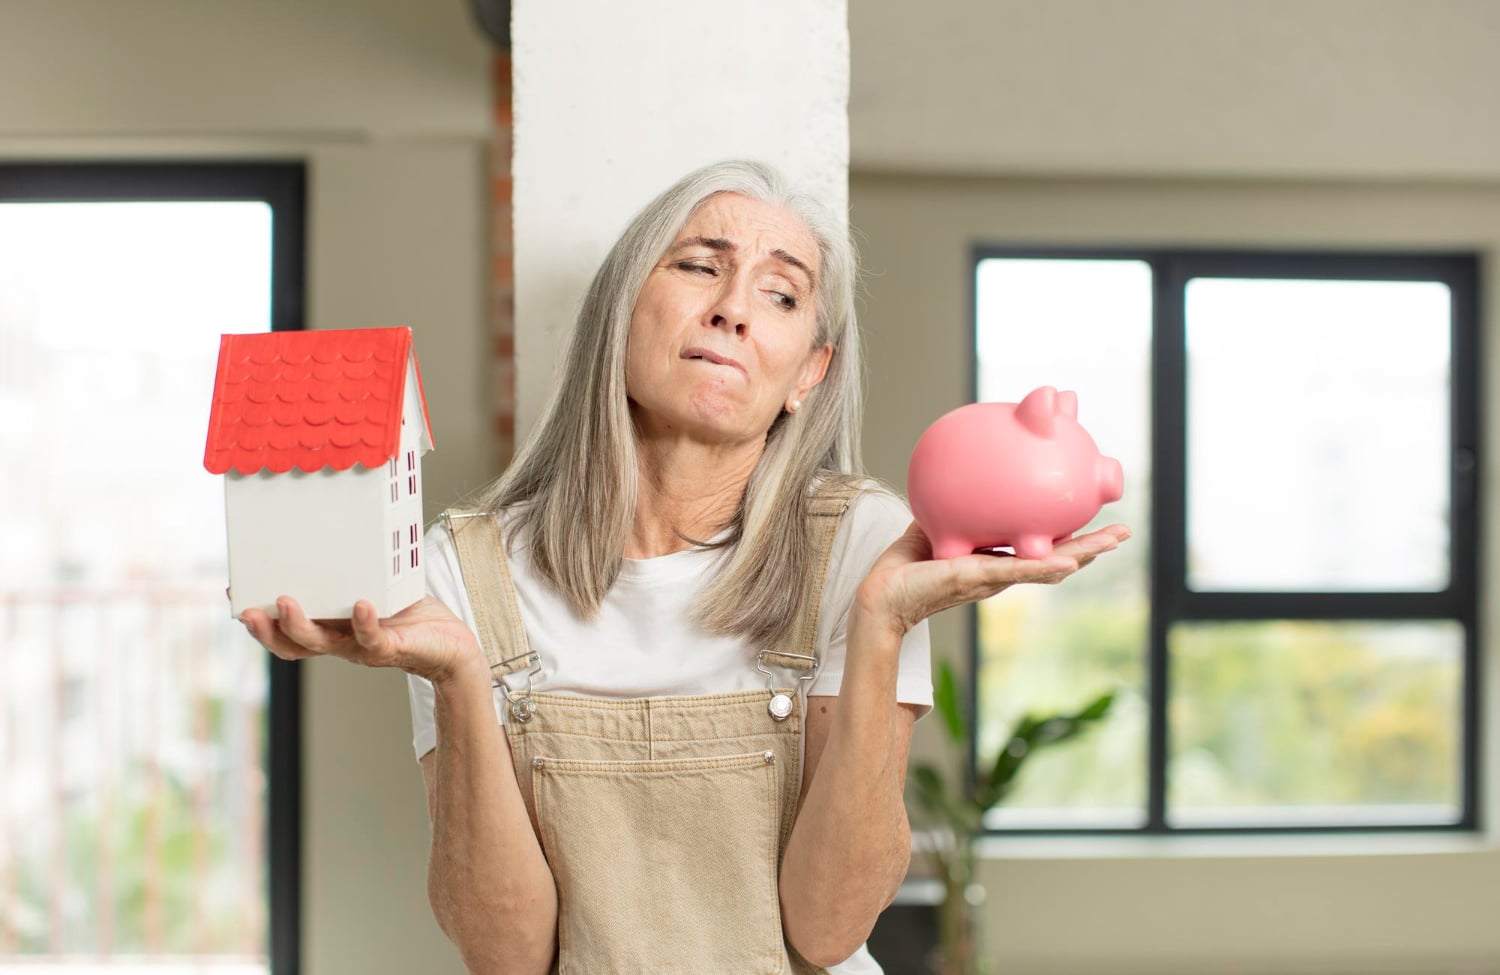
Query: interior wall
(1112,907)
(1320,88)
(398,237)
(344,70)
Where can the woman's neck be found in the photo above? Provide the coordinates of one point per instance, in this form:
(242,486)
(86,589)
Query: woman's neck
(689,489)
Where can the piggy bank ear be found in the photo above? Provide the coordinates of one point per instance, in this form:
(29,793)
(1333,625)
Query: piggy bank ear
(1067,404)
(1037,411)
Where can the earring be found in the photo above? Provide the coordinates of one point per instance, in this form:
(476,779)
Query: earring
(795,406)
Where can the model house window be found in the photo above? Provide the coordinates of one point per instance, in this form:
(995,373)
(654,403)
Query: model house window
(149,794)
(411,485)
(1292,628)
(395,565)
(411,460)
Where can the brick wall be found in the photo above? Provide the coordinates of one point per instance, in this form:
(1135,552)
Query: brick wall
(502,291)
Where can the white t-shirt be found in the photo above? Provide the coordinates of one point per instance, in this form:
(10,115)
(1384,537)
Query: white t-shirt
(628,650)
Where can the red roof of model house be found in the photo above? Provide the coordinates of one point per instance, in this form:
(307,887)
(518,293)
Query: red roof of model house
(310,400)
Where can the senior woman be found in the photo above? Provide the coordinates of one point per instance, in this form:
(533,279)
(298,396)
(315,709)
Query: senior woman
(701,629)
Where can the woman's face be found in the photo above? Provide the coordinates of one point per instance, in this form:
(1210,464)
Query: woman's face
(721,336)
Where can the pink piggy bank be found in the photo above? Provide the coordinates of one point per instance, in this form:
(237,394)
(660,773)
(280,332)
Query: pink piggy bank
(1019,474)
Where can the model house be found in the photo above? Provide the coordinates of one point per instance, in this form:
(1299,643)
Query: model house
(320,437)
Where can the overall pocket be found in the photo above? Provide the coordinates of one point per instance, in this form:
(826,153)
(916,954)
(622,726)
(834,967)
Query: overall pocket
(663,866)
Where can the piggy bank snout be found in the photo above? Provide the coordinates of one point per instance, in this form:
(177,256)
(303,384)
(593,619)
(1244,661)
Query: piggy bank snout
(1111,480)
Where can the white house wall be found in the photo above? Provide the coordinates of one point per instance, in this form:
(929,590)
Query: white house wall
(411,407)
(401,501)
(314,537)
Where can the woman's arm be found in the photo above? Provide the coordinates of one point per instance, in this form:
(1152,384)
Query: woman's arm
(851,845)
(489,885)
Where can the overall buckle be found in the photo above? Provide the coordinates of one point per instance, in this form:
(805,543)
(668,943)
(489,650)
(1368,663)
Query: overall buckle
(780,706)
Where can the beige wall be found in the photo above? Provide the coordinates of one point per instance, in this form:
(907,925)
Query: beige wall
(344,70)
(1302,88)
(397,237)
(1254,906)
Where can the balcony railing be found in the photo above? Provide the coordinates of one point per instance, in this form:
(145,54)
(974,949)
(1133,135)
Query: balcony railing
(132,782)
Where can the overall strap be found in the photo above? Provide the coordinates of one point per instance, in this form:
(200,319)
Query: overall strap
(825,508)
(486,571)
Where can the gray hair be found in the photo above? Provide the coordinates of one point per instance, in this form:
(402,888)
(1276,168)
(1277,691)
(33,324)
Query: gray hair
(575,477)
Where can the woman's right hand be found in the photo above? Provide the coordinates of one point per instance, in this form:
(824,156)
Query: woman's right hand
(424,639)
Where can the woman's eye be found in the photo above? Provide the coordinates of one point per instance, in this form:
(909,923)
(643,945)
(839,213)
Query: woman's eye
(690,266)
(786,301)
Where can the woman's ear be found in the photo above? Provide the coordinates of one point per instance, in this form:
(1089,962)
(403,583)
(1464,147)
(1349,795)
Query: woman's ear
(814,370)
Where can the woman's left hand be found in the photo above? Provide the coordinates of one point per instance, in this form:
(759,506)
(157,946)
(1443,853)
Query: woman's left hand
(906,585)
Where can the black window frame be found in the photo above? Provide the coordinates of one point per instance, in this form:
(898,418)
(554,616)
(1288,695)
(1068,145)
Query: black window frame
(1171,601)
(281,185)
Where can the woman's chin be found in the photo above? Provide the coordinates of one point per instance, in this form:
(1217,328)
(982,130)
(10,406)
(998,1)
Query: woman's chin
(708,415)
(713,428)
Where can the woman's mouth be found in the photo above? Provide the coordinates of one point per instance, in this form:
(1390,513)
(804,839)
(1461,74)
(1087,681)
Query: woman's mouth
(713,358)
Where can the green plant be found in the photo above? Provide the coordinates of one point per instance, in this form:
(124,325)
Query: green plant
(958,811)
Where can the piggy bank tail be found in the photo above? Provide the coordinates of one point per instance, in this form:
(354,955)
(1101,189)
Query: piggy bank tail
(1111,480)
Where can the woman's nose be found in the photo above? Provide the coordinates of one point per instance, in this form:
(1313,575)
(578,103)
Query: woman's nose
(739,327)
(731,306)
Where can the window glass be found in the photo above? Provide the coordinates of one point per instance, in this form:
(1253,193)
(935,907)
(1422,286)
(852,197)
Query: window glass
(132,707)
(1083,325)
(1314,723)
(1318,434)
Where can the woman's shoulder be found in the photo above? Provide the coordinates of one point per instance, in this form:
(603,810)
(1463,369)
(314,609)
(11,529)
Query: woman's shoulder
(870,498)
(506,518)
(875,517)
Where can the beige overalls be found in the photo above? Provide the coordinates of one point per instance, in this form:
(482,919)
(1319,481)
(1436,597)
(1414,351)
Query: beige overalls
(664,819)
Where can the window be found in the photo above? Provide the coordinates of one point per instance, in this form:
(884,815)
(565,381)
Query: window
(1292,628)
(148,812)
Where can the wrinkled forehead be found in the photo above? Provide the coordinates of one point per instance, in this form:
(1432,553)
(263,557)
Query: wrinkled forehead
(752,225)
